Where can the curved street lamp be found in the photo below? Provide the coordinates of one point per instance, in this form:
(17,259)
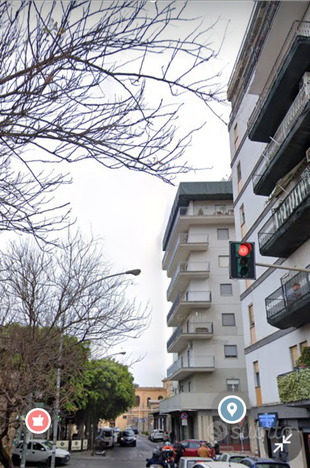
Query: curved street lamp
(135,272)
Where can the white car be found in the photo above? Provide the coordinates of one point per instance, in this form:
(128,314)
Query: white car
(217,464)
(157,435)
(189,462)
(39,451)
(232,457)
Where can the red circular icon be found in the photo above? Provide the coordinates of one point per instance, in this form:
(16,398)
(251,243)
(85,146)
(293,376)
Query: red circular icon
(38,420)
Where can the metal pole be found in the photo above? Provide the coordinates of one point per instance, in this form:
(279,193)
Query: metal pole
(57,400)
(303,270)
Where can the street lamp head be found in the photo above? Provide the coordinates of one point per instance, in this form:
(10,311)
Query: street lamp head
(122,352)
(133,272)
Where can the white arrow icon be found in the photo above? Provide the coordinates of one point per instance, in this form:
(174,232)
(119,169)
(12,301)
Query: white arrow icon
(285,440)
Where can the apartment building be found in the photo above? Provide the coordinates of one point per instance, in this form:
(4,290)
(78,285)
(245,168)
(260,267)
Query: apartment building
(205,318)
(269,91)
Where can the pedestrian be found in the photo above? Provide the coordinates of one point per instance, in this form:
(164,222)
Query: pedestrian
(172,437)
(156,459)
(203,451)
(179,450)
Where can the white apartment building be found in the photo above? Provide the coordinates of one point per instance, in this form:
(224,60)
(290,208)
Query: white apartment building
(269,138)
(205,318)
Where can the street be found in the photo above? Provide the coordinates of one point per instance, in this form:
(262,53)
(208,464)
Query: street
(118,457)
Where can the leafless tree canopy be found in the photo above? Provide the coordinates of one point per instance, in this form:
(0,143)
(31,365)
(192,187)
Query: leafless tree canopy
(74,77)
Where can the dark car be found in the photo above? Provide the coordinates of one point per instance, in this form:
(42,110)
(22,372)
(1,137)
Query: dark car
(253,462)
(127,438)
(193,445)
(135,430)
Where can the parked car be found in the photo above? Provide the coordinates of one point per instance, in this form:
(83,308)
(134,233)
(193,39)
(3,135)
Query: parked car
(192,445)
(217,464)
(233,457)
(157,435)
(39,451)
(188,462)
(135,430)
(127,438)
(254,462)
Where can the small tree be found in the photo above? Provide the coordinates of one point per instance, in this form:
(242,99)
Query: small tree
(46,297)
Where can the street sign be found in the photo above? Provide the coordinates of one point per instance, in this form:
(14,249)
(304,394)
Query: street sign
(184,415)
(37,420)
(184,422)
(142,420)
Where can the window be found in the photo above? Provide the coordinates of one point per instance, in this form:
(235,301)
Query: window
(242,221)
(294,354)
(223,261)
(233,385)
(124,416)
(303,345)
(239,177)
(252,324)
(223,234)
(236,137)
(228,320)
(256,374)
(230,351)
(226,289)
(160,397)
(137,400)
(189,387)
(37,446)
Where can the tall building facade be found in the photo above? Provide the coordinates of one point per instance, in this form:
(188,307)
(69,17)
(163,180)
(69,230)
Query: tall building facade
(270,139)
(205,316)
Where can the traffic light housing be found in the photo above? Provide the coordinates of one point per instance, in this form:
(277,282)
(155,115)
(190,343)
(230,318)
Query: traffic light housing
(242,260)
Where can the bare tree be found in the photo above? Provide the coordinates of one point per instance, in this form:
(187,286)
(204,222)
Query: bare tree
(90,80)
(45,297)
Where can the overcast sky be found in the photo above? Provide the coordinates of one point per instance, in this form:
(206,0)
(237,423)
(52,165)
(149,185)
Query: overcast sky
(129,210)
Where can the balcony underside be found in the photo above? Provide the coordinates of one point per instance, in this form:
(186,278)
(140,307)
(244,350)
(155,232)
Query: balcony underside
(294,315)
(185,372)
(182,340)
(283,91)
(182,281)
(291,235)
(291,152)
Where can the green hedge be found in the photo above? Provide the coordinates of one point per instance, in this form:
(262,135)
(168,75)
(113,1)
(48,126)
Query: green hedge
(294,386)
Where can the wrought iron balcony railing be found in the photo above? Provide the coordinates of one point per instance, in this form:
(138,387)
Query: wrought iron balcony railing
(282,214)
(299,28)
(284,129)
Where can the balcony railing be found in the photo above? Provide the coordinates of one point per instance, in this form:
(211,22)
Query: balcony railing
(294,386)
(284,211)
(186,238)
(188,267)
(196,328)
(189,297)
(185,362)
(295,111)
(299,28)
(288,306)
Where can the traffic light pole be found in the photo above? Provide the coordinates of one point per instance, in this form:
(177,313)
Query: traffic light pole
(280,267)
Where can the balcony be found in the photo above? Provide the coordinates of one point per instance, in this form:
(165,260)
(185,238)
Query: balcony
(195,216)
(294,387)
(289,305)
(185,272)
(289,144)
(285,231)
(188,332)
(184,303)
(188,401)
(282,84)
(185,243)
(185,366)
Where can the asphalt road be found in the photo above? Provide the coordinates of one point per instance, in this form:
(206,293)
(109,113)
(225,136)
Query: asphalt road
(118,457)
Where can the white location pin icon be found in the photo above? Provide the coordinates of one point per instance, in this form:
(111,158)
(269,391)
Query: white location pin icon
(232,408)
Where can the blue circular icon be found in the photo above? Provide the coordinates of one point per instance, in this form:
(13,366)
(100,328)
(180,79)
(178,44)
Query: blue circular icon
(232,409)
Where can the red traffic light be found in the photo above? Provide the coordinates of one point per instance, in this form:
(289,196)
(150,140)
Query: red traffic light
(244,249)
